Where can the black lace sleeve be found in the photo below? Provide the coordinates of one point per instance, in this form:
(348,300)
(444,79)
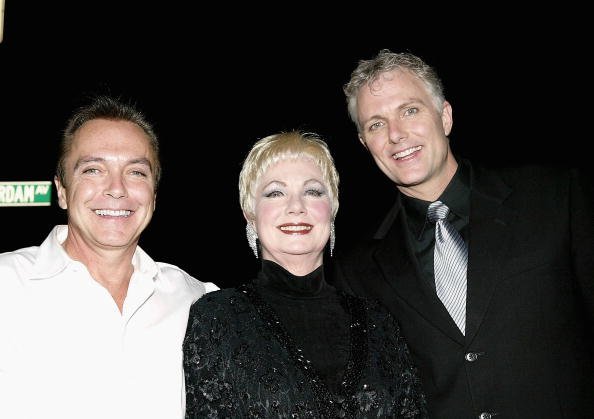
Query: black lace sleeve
(394,359)
(209,389)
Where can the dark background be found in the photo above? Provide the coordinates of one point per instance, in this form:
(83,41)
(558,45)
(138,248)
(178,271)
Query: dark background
(214,78)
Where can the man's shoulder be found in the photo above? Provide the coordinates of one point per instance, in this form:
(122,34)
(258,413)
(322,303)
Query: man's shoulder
(357,249)
(19,260)
(34,260)
(357,259)
(178,277)
(16,269)
(25,252)
(527,173)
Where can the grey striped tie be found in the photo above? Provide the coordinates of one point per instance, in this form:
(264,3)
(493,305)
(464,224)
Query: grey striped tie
(450,259)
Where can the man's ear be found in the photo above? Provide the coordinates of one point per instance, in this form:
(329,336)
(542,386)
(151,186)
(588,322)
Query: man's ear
(447,119)
(363,141)
(61,192)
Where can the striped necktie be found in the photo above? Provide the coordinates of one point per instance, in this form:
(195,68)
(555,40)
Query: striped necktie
(450,259)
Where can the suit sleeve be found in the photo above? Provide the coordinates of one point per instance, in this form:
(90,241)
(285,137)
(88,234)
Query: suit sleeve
(582,230)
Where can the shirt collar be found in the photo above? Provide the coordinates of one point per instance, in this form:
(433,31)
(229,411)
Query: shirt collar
(455,196)
(51,258)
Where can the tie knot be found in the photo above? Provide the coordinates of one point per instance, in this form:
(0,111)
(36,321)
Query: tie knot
(437,211)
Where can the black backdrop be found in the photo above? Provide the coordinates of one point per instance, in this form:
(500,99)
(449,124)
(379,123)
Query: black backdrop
(214,79)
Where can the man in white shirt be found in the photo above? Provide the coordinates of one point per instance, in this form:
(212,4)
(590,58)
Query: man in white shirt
(90,325)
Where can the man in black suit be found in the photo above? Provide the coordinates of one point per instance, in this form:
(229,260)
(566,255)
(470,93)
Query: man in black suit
(526,349)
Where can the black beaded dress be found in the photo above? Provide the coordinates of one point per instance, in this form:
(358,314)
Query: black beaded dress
(286,346)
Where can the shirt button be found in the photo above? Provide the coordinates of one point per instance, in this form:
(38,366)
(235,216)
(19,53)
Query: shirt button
(471,357)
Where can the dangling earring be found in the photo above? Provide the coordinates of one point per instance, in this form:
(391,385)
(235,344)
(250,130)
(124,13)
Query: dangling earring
(332,237)
(252,238)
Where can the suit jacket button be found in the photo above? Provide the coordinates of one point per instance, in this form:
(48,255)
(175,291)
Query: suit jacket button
(471,357)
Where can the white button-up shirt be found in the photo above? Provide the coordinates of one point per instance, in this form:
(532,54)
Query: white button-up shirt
(66,351)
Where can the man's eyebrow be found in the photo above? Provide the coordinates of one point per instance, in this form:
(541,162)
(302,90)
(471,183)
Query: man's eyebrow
(90,159)
(141,160)
(87,159)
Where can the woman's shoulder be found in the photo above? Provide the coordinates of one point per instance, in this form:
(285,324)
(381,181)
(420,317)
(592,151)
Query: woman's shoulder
(367,303)
(377,315)
(220,301)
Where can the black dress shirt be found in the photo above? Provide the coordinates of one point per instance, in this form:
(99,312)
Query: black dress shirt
(422,231)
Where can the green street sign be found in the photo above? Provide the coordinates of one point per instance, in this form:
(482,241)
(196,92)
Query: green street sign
(25,194)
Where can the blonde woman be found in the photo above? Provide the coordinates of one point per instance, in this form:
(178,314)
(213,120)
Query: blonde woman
(287,344)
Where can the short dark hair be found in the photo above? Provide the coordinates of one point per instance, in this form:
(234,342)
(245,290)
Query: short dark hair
(107,107)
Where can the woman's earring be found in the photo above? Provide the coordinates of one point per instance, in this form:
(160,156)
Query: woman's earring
(332,237)
(252,238)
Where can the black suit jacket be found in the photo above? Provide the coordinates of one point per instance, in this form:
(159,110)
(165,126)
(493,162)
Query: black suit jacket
(528,349)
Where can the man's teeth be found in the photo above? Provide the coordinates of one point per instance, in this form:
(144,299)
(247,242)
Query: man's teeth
(113,213)
(406,152)
(295,228)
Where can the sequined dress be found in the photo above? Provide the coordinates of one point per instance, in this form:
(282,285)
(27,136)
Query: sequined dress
(284,346)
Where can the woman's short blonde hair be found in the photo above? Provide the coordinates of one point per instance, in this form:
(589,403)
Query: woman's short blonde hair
(285,145)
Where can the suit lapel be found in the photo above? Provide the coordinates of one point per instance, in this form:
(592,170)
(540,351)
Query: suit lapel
(402,275)
(489,224)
